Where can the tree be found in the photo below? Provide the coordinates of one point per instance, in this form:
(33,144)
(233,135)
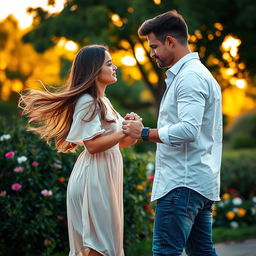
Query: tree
(20,65)
(116,22)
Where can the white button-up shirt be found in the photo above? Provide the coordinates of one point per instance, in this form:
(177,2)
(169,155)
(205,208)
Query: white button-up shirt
(190,127)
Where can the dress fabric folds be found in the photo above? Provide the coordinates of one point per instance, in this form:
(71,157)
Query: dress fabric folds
(95,187)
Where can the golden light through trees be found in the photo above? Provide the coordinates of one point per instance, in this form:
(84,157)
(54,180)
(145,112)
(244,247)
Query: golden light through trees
(116,20)
(18,9)
(21,66)
(157,2)
(228,69)
(235,97)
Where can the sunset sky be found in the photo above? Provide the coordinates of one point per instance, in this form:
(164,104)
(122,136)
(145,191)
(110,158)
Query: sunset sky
(18,9)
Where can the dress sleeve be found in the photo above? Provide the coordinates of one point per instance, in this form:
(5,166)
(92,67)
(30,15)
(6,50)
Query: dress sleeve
(82,130)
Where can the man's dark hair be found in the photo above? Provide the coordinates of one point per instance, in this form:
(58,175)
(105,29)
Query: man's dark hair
(169,23)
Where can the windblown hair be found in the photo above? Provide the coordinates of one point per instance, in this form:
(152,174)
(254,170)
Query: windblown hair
(168,23)
(52,113)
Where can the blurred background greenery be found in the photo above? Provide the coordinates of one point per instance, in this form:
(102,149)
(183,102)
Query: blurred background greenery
(38,41)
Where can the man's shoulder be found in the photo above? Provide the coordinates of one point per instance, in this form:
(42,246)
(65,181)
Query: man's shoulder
(197,72)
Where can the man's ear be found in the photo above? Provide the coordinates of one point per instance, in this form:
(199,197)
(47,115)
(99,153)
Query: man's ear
(170,41)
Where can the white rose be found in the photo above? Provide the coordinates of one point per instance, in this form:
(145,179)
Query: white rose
(237,201)
(234,224)
(22,159)
(5,137)
(150,168)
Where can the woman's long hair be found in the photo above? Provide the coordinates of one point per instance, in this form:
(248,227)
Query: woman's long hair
(52,113)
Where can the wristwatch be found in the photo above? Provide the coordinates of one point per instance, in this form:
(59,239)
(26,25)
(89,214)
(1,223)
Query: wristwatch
(145,133)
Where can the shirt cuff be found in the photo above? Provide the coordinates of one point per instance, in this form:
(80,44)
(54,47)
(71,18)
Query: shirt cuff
(163,134)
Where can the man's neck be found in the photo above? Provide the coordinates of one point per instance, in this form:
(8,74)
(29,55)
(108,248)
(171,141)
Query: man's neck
(182,52)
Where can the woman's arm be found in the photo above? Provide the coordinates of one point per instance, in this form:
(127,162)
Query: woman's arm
(104,142)
(127,142)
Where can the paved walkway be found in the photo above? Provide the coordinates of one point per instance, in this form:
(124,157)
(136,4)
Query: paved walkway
(246,248)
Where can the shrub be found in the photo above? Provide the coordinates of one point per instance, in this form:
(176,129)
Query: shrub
(242,134)
(238,172)
(33,188)
(33,181)
(138,214)
(238,205)
(233,211)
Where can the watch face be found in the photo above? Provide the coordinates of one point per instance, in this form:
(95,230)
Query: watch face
(145,133)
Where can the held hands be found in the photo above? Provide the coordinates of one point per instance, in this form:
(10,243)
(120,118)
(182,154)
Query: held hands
(132,116)
(132,126)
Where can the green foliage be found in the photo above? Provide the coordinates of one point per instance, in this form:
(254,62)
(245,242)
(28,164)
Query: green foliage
(238,205)
(90,22)
(33,181)
(238,172)
(31,222)
(138,214)
(7,109)
(234,212)
(242,134)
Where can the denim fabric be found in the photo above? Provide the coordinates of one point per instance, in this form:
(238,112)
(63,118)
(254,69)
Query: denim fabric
(183,220)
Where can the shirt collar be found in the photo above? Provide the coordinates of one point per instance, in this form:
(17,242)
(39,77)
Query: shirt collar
(173,71)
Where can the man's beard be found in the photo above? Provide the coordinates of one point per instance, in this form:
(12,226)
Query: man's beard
(160,63)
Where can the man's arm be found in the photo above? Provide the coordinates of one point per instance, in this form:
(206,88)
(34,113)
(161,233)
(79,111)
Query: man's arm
(134,129)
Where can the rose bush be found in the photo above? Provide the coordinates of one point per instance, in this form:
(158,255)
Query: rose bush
(33,181)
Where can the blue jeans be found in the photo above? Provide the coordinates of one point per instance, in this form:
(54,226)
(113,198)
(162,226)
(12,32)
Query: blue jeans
(183,220)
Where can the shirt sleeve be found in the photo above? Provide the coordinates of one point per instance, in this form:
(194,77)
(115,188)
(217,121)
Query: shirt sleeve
(192,94)
(81,129)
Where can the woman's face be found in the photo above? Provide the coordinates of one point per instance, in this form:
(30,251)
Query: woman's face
(108,72)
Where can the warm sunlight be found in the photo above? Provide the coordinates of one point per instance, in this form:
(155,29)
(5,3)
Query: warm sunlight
(18,9)
(157,2)
(117,20)
(128,61)
(231,44)
(241,83)
(67,44)
(140,54)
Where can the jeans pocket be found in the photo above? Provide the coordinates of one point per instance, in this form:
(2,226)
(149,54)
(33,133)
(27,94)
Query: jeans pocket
(167,202)
(197,203)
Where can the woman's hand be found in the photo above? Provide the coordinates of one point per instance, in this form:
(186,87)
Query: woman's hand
(132,116)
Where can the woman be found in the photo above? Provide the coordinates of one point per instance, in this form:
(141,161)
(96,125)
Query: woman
(82,115)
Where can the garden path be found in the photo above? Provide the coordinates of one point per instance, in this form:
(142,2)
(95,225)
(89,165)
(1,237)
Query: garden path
(245,248)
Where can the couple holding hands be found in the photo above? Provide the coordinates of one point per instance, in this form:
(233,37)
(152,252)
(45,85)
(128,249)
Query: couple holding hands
(188,141)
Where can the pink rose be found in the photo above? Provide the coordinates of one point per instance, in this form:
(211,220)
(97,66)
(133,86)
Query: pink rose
(57,166)
(46,192)
(18,169)
(35,163)
(16,186)
(151,177)
(9,154)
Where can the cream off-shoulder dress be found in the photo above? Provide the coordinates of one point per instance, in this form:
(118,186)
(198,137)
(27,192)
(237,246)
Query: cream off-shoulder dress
(95,187)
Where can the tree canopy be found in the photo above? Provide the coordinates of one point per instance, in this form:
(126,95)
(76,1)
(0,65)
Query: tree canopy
(115,23)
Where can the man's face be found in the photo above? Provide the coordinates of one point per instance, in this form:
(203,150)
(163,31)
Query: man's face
(161,52)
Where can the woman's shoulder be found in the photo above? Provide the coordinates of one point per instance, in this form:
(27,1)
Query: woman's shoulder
(85,98)
(83,102)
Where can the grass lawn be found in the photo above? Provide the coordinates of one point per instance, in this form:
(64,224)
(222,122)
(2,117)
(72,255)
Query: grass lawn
(226,234)
(219,235)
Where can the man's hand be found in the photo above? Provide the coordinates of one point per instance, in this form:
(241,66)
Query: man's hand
(132,116)
(132,128)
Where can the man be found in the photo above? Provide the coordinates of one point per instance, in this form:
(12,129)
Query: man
(189,142)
